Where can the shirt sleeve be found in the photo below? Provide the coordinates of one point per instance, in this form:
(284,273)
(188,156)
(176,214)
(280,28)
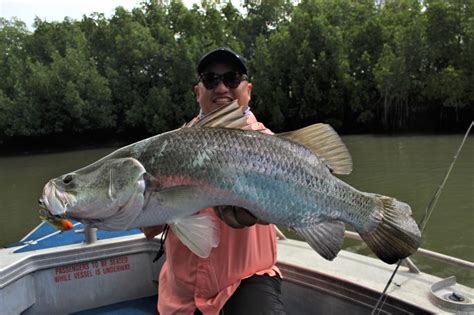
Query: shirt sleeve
(256,125)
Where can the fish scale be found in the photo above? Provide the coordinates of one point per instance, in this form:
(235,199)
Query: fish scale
(280,180)
(232,152)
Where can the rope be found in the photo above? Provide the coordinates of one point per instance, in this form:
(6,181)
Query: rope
(161,251)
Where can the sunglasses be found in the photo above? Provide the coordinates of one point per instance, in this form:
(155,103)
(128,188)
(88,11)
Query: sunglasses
(230,79)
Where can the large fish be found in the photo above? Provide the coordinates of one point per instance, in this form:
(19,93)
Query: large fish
(282,179)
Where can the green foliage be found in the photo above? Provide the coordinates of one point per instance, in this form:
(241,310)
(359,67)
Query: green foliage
(449,77)
(359,65)
(69,94)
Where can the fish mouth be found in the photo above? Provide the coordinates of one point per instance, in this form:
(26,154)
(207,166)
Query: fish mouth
(45,214)
(54,200)
(54,219)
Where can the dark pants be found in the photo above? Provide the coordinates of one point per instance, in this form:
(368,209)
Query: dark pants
(255,295)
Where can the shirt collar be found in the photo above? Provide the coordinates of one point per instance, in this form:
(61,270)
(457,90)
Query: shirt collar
(247,112)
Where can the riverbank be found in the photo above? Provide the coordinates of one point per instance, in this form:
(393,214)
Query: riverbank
(67,142)
(112,138)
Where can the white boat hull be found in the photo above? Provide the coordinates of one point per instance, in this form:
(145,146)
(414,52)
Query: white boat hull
(80,277)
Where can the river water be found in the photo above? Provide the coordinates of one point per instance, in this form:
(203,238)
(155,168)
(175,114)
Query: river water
(409,168)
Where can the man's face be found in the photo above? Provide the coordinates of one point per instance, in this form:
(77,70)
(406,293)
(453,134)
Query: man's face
(212,99)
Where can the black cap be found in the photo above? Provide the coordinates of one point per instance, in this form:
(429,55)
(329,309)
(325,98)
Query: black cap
(222,54)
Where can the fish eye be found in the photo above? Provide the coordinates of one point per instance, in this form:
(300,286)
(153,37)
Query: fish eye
(67,179)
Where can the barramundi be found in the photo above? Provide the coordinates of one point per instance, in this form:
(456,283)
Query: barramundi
(283,179)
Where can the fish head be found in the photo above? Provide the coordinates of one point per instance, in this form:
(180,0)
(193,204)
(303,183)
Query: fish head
(113,188)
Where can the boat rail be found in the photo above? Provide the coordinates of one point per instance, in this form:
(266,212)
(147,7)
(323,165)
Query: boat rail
(91,238)
(421,251)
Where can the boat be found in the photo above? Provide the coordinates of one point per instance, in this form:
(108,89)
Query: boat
(84,271)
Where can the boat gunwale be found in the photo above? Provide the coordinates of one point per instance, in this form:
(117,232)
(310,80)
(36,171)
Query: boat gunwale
(70,254)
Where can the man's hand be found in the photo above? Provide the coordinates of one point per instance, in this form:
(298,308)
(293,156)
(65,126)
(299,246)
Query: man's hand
(236,217)
(152,231)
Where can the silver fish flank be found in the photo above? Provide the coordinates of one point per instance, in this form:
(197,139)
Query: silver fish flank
(282,179)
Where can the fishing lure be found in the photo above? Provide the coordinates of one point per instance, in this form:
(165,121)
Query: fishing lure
(55,221)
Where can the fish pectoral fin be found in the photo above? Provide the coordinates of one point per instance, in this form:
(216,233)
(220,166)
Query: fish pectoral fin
(200,233)
(326,143)
(186,198)
(326,238)
(228,116)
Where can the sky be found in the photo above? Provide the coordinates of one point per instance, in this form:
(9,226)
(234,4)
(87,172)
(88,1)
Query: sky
(57,10)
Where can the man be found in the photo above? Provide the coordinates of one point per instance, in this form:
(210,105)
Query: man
(239,276)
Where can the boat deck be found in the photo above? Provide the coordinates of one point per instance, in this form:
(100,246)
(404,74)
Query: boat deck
(45,236)
(142,306)
(57,273)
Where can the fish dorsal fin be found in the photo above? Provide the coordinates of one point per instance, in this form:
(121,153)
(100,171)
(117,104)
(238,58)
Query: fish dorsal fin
(200,232)
(326,143)
(228,116)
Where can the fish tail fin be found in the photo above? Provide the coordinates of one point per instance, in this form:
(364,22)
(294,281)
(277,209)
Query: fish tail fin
(397,236)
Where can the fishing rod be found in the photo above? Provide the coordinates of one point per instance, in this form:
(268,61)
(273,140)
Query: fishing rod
(434,200)
(426,216)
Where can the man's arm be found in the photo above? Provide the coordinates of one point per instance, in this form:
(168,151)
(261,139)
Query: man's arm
(237,217)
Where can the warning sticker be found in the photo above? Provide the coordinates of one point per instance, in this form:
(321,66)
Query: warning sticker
(91,269)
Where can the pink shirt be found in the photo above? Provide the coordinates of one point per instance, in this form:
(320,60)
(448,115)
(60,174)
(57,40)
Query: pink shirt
(188,282)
